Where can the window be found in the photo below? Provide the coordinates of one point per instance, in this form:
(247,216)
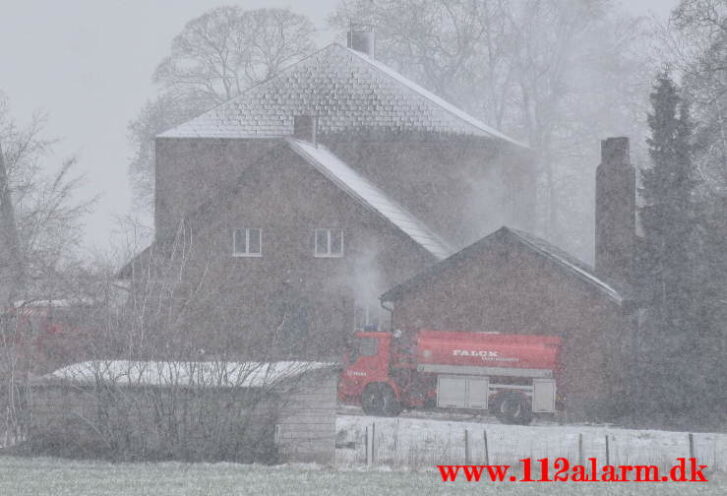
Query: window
(364,347)
(247,242)
(366,317)
(329,243)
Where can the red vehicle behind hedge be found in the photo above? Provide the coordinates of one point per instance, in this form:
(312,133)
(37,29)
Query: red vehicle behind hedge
(511,375)
(43,335)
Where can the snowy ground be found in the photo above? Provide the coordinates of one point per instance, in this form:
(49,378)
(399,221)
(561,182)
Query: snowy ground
(47,477)
(400,445)
(423,442)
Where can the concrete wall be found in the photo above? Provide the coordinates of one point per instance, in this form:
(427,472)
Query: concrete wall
(306,427)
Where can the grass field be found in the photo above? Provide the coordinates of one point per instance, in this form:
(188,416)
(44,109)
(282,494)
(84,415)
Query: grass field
(44,476)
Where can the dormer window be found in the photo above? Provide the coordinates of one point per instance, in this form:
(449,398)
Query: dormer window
(328,243)
(247,242)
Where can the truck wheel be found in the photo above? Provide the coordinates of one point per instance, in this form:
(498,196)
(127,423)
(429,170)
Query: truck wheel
(379,399)
(513,408)
(391,406)
(371,400)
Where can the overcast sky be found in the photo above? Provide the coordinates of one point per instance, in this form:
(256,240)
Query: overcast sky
(88,65)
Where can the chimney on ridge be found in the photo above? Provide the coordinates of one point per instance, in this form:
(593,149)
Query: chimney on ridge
(615,212)
(305,127)
(362,39)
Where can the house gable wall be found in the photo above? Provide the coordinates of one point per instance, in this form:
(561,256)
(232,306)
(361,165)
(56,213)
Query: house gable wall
(190,171)
(288,199)
(462,187)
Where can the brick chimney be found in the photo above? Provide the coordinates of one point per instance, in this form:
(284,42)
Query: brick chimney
(362,39)
(615,212)
(305,127)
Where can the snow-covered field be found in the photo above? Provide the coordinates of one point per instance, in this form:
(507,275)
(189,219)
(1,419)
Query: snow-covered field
(423,442)
(401,444)
(48,477)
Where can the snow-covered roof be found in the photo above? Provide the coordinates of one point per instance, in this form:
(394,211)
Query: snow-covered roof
(185,374)
(437,100)
(347,90)
(562,259)
(54,303)
(370,196)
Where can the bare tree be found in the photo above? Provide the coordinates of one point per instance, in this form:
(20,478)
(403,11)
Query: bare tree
(11,264)
(227,49)
(555,74)
(450,46)
(696,44)
(39,229)
(43,202)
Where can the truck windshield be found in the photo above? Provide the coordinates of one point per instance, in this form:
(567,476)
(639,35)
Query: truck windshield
(363,347)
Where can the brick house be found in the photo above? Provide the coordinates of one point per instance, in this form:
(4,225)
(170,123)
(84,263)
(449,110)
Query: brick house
(512,282)
(310,194)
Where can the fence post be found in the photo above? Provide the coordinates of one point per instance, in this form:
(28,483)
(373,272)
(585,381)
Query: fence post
(466,447)
(714,453)
(396,444)
(691,445)
(487,450)
(373,442)
(367,447)
(608,457)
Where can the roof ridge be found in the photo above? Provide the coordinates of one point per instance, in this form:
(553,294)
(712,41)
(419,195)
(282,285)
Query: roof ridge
(576,265)
(525,239)
(441,102)
(528,237)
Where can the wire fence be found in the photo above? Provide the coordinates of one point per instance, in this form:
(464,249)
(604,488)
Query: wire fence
(415,444)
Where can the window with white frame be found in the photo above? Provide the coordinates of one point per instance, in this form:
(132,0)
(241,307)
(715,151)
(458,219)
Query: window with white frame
(247,242)
(366,317)
(328,243)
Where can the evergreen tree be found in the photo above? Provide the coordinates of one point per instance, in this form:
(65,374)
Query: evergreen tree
(668,259)
(712,301)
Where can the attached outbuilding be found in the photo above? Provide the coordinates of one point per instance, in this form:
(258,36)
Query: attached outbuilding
(270,412)
(511,282)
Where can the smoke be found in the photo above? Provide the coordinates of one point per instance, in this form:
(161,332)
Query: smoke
(367,284)
(487,205)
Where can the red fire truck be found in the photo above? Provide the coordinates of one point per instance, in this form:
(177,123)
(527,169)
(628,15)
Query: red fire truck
(513,376)
(45,334)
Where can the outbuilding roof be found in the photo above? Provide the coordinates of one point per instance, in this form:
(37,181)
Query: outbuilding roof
(346,90)
(184,374)
(559,257)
